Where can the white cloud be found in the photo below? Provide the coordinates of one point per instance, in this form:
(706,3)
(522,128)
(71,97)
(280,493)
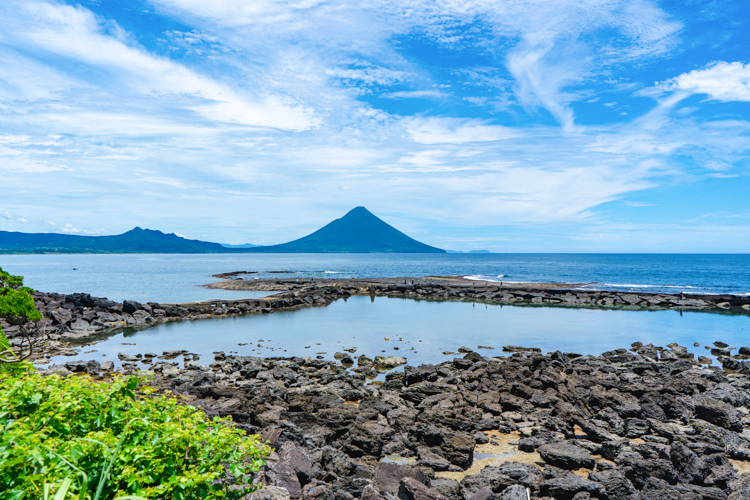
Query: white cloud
(12,216)
(638,204)
(270,107)
(416,94)
(553,43)
(721,81)
(236,12)
(454,131)
(75,33)
(362,72)
(70,229)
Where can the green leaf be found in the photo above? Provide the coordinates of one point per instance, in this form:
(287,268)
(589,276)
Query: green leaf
(63,490)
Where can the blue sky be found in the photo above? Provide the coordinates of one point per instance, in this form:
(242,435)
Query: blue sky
(513,126)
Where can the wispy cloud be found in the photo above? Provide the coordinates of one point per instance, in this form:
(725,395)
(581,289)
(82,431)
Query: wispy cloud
(416,94)
(455,131)
(482,115)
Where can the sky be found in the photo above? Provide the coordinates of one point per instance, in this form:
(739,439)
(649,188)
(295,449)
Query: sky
(506,125)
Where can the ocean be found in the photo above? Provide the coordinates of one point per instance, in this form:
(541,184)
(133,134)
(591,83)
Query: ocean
(178,277)
(419,330)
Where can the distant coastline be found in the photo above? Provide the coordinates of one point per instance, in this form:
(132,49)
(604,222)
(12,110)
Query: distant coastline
(359,231)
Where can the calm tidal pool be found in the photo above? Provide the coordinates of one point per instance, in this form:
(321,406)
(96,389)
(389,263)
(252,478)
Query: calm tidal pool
(422,330)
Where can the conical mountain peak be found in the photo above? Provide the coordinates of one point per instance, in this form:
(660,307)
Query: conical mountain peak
(359,231)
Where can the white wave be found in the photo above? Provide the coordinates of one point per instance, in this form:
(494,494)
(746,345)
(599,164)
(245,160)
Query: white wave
(495,280)
(333,272)
(619,285)
(481,278)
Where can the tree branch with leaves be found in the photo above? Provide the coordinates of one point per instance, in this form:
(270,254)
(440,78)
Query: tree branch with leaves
(16,308)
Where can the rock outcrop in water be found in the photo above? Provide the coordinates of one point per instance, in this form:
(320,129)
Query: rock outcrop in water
(620,426)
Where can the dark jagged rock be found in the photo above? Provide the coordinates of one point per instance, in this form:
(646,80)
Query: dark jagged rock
(566,456)
(651,429)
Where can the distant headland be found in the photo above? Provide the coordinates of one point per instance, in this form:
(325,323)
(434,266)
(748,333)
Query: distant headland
(359,231)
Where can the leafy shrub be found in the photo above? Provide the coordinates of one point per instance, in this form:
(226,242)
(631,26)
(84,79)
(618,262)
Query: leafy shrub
(16,307)
(53,429)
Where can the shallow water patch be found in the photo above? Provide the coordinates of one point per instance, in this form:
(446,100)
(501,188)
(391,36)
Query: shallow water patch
(422,330)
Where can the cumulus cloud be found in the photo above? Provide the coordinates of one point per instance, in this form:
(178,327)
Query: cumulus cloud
(721,81)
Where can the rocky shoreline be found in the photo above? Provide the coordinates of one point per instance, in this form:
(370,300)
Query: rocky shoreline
(75,319)
(456,288)
(645,423)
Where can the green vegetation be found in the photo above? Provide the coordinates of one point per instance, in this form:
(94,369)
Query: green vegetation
(17,308)
(134,241)
(116,439)
(359,231)
(75,438)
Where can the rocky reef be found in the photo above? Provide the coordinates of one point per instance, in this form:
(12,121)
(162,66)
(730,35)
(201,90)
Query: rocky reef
(77,318)
(644,423)
(451,288)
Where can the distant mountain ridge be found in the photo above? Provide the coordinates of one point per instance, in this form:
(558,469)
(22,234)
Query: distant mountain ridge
(136,240)
(358,231)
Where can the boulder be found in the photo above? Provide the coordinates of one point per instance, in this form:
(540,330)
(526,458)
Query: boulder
(366,438)
(287,479)
(483,494)
(80,325)
(515,492)
(427,458)
(718,413)
(616,485)
(270,493)
(447,487)
(387,363)
(740,488)
(57,370)
(317,491)
(387,476)
(657,489)
(564,485)
(499,478)
(458,448)
(297,460)
(566,456)
(411,489)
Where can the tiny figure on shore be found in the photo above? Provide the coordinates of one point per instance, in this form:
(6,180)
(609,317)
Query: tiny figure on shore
(682,295)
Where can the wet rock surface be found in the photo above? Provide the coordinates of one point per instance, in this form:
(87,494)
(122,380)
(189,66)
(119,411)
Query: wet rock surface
(613,426)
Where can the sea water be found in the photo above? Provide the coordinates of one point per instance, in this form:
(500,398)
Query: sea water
(423,330)
(178,278)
